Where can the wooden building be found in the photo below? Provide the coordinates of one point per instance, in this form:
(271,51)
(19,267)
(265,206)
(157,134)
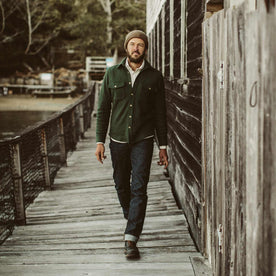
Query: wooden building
(219,63)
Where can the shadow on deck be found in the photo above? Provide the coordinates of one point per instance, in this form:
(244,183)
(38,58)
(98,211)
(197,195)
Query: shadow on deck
(77,228)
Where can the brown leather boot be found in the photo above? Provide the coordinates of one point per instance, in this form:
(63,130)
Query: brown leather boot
(131,250)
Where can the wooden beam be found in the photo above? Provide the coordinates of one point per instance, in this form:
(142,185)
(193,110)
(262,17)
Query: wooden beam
(61,141)
(44,153)
(214,7)
(20,217)
(269,4)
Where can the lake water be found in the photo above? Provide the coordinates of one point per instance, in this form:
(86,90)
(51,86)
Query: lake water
(12,122)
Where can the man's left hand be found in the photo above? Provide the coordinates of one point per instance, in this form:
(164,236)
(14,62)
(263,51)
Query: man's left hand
(163,158)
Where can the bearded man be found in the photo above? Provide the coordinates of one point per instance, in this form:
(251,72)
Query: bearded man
(133,92)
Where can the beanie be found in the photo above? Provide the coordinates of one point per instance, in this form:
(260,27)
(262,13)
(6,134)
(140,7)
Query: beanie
(137,34)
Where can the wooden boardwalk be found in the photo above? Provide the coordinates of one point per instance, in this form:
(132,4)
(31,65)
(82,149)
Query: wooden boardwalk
(77,228)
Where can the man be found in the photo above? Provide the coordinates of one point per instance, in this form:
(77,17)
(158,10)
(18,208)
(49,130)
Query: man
(133,92)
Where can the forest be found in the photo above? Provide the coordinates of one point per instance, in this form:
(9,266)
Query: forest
(37,35)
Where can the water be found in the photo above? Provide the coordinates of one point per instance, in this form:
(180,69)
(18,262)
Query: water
(12,122)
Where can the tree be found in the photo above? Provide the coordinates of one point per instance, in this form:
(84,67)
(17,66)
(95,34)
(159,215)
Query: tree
(122,17)
(28,30)
(107,7)
(128,15)
(89,32)
(39,13)
(32,32)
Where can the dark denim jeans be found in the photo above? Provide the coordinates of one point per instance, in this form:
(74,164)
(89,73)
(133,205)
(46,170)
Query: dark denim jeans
(131,164)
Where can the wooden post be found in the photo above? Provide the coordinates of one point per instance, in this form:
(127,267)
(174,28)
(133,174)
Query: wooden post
(96,97)
(45,160)
(62,141)
(74,135)
(80,106)
(89,102)
(89,107)
(20,216)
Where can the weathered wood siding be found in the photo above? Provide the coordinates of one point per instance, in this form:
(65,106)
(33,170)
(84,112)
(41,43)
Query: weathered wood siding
(176,50)
(239,151)
(153,10)
(222,130)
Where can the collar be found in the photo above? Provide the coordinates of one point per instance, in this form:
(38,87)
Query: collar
(138,69)
(146,64)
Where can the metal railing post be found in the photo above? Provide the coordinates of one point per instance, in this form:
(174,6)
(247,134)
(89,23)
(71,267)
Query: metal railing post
(61,141)
(20,216)
(45,160)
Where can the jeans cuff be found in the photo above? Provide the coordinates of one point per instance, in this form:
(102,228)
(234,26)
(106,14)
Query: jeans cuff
(129,237)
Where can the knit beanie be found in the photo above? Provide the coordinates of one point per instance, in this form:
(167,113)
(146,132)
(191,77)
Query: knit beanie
(137,34)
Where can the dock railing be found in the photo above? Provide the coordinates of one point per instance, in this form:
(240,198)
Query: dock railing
(30,161)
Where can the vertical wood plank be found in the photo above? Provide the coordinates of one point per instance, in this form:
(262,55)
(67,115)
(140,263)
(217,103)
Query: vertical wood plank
(240,185)
(270,151)
(211,145)
(253,213)
(222,131)
(163,40)
(225,137)
(205,90)
(230,140)
(238,152)
(216,147)
(267,147)
(171,36)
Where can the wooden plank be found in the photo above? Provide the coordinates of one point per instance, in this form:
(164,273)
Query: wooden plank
(213,7)
(96,238)
(240,143)
(225,245)
(211,134)
(98,251)
(253,214)
(201,266)
(217,74)
(50,245)
(238,152)
(66,258)
(135,268)
(205,179)
(267,138)
(71,230)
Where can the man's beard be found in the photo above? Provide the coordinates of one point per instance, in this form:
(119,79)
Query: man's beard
(135,60)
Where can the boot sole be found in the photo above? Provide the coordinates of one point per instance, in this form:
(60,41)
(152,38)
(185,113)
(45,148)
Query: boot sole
(132,255)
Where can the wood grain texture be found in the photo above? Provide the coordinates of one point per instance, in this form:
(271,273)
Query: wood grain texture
(77,228)
(238,152)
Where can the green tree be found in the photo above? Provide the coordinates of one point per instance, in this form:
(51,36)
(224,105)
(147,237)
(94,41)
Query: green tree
(127,15)
(89,32)
(31,31)
(28,30)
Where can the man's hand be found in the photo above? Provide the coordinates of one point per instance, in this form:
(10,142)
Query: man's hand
(100,153)
(163,158)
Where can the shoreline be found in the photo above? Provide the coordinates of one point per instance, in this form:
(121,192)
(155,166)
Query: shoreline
(29,103)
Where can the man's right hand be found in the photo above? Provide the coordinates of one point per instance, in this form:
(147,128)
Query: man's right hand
(100,153)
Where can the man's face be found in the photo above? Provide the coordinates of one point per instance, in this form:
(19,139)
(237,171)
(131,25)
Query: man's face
(136,50)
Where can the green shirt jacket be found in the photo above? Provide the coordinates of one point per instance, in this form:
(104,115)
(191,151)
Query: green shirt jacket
(136,112)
